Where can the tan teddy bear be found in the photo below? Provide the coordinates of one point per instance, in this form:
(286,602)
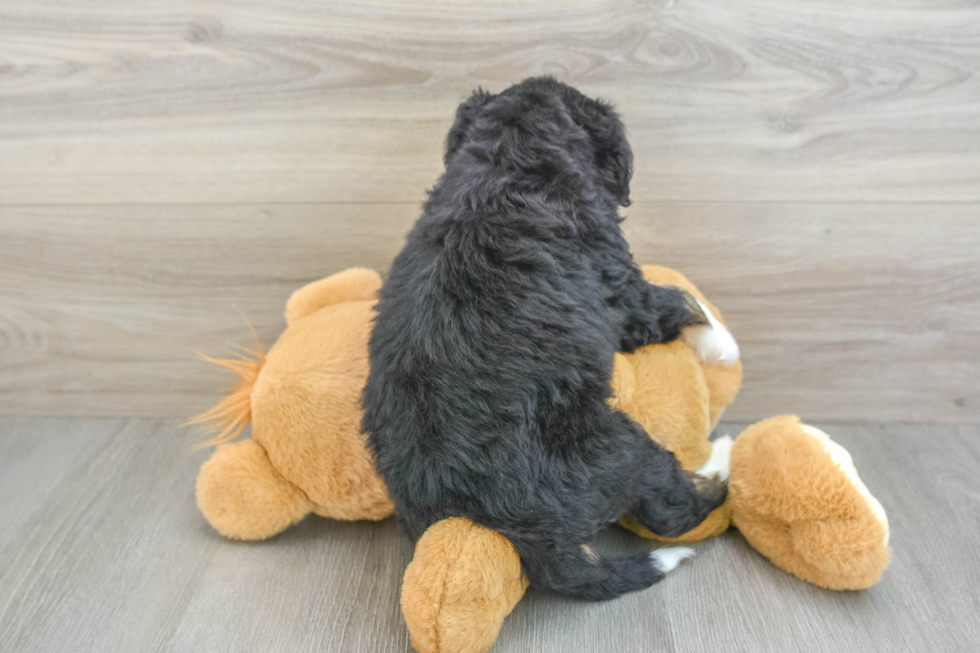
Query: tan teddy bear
(794,493)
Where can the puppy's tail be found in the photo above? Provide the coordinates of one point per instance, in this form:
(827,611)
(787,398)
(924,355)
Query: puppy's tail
(229,417)
(584,574)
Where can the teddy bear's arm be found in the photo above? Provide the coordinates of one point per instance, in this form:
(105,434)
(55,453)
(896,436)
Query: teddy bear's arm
(353,285)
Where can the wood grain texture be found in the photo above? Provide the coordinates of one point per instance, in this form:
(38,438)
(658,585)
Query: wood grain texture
(103,548)
(256,101)
(813,166)
(844,312)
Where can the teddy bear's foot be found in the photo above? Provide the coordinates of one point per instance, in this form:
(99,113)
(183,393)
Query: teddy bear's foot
(718,463)
(462,581)
(242,495)
(797,498)
(713,342)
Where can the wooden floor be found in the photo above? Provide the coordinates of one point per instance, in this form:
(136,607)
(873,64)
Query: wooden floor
(103,550)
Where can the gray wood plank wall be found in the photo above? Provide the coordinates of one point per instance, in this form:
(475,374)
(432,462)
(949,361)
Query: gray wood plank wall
(814,167)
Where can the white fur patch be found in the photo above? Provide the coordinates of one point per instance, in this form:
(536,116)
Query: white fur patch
(590,555)
(713,342)
(721,455)
(842,458)
(666,559)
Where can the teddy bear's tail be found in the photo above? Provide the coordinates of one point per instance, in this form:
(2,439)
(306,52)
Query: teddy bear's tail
(229,417)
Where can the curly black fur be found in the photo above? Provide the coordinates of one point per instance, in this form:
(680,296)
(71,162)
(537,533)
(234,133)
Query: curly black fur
(493,345)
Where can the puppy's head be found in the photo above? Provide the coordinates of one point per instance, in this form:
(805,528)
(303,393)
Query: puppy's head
(466,114)
(545,113)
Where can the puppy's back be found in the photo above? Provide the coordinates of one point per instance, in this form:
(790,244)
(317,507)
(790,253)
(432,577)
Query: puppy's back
(490,324)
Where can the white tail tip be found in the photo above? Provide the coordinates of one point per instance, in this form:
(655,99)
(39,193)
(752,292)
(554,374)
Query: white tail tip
(668,558)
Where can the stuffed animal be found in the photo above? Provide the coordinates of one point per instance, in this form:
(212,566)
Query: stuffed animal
(307,453)
(793,493)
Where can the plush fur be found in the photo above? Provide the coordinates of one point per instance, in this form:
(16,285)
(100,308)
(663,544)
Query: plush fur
(494,342)
(244,497)
(797,498)
(462,581)
(307,453)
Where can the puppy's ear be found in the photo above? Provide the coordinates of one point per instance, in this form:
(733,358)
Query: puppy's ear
(613,156)
(465,115)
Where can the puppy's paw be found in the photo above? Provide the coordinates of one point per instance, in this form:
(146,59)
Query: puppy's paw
(718,463)
(713,341)
(666,559)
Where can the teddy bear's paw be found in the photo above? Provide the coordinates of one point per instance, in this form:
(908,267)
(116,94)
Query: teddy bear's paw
(667,558)
(721,454)
(713,342)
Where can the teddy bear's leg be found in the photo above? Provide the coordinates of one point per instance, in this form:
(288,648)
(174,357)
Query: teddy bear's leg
(353,285)
(463,580)
(797,498)
(242,495)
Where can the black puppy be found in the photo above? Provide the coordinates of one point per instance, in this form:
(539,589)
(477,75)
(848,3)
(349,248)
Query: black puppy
(493,347)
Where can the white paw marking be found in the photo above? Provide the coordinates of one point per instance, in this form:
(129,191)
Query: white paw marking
(721,455)
(668,558)
(713,342)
